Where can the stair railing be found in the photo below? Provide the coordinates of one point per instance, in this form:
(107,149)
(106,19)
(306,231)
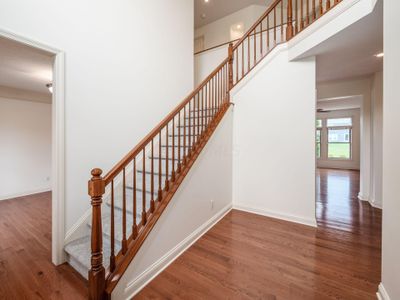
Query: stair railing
(283,20)
(177,141)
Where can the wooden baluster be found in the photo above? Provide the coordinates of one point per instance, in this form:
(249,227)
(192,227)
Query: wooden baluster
(321,8)
(248,55)
(202,110)
(281,21)
(237,64)
(206,107)
(242,62)
(221,80)
(255,47)
(225,82)
(301,15)
(195,121)
(198,116)
(134,225)
(274,25)
(159,168)
(296,12)
(215,96)
(307,12)
(314,13)
(179,143)
(173,150)
(184,135)
(268,33)
(152,204)
(144,214)
(124,241)
(96,189)
(261,39)
(220,87)
(166,160)
(289,27)
(336,2)
(209,100)
(328,5)
(190,134)
(112,230)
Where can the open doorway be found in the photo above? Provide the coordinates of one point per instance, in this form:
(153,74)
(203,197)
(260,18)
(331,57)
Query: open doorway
(32,128)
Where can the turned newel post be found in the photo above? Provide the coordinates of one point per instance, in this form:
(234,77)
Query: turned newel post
(97,271)
(289,28)
(230,68)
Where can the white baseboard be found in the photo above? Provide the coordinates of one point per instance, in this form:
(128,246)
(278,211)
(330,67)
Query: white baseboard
(370,200)
(382,294)
(275,215)
(28,193)
(375,204)
(362,197)
(144,278)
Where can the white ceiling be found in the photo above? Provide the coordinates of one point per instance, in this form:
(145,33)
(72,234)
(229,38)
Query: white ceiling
(217,9)
(351,52)
(23,67)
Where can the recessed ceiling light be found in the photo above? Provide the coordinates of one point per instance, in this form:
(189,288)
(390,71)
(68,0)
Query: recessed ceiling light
(239,26)
(379,55)
(206,1)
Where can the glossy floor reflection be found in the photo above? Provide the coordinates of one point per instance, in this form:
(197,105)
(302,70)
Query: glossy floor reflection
(247,256)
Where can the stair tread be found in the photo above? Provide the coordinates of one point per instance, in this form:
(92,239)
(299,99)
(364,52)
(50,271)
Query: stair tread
(80,250)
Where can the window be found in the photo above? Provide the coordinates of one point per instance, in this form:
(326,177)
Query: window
(318,137)
(339,138)
(339,122)
(318,142)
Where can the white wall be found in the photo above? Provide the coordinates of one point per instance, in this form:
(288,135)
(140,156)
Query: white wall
(274,139)
(25,147)
(354,162)
(206,62)
(189,214)
(219,32)
(391,159)
(376,140)
(124,73)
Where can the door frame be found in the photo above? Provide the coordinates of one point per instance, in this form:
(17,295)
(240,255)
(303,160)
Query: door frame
(58,143)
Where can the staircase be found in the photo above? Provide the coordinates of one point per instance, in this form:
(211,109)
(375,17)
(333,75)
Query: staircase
(130,198)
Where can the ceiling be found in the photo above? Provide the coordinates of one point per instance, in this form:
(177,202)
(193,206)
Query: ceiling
(351,52)
(217,9)
(24,68)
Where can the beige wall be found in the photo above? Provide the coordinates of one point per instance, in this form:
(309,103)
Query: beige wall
(25,147)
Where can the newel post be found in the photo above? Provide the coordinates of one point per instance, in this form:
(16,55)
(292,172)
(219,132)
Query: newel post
(97,271)
(289,27)
(230,68)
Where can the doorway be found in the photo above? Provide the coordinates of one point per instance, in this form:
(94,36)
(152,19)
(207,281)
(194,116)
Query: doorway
(32,80)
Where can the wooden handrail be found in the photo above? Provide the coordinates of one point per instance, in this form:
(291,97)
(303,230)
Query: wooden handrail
(200,113)
(257,23)
(135,151)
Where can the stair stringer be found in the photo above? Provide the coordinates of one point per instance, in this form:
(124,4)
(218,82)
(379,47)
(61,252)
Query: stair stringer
(188,215)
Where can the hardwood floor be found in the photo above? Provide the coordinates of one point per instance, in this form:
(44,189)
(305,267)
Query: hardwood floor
(246,256)
(26,271)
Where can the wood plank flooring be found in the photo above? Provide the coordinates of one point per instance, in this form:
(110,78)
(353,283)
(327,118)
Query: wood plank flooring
(26,271)
(246,256)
